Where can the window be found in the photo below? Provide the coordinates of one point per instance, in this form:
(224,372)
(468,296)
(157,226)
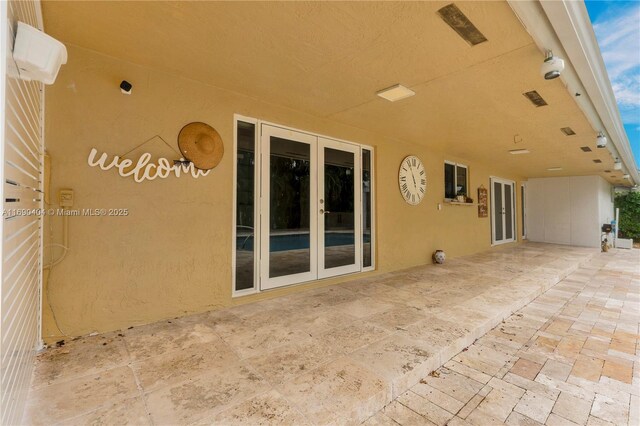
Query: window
(245,234)
(456,180)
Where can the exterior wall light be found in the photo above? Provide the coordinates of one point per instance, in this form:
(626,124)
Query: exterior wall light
(552,66)
(617,165)
(601,140)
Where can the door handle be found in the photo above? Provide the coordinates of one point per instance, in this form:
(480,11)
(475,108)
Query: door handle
(322,211)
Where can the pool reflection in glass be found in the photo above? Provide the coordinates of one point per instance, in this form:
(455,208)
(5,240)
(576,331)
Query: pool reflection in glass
(339,196)
(289,215)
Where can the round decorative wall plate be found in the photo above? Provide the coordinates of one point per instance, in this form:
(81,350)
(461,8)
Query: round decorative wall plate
(412,180)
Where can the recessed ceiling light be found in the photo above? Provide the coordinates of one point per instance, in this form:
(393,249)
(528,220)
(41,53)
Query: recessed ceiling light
(597,161)
(568,131)
(395,93)
(585,148)
(519,151)
(554,169)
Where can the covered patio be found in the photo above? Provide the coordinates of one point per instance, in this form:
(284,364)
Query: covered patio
(329,355)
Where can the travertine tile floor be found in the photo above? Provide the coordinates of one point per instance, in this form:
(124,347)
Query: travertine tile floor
(342,353)
(569,357)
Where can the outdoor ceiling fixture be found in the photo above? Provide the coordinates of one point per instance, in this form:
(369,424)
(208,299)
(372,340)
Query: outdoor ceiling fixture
(626,176)
(552,66)
(617,165)
(601,140)
(395,93)
(554,169)
(519,151)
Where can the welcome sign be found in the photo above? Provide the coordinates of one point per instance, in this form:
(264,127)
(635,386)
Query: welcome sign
(143,169)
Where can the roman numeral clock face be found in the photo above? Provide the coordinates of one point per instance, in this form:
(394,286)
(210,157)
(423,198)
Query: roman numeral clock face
(412,180)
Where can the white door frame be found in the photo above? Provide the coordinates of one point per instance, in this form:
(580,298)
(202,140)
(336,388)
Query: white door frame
(503,183)
(357,207)
(265,281)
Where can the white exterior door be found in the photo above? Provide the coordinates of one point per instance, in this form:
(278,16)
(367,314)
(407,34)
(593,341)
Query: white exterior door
(339,209)
(288,208)
(310,207)
(503,217)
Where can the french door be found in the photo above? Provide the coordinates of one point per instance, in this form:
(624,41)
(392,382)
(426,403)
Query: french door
(309,207)
(503,216)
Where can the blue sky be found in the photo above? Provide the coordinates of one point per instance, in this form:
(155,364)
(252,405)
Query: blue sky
(617,28)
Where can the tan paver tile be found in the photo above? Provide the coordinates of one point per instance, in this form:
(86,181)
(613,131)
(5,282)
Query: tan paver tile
(587,368)
(439,398)
(623,346)
(498,404)
(556,420)
(267,409)
(517,419)
(379,419)
(470,406)
(535,406)
(556,369)
(64,400)
(597,344)
(425,408)
(608,409)
(469,372)
(572,408)
(453,384)
(481,418)
(403,415)
(617,371)
(525,368)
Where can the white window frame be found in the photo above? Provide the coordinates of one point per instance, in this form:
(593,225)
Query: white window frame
(257,203)
(256,206)
(455,178)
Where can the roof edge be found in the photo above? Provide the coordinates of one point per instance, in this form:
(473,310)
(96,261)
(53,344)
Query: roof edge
(565,27)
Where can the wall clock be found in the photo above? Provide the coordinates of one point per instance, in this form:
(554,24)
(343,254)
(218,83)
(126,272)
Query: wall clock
(412,180)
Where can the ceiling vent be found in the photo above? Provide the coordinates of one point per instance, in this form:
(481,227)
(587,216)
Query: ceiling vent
(585,148)
(568,131)
(597,161)
(461,24)
(607,171)
(535,98)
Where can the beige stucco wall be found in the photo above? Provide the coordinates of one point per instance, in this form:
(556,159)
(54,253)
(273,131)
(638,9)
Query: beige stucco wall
(172,254)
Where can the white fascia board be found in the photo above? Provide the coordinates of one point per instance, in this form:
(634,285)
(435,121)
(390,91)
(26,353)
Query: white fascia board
(565,28)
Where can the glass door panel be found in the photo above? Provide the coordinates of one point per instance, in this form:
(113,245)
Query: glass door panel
(498,205)
(339,208)
(289,221)
(508,212)
(502,211)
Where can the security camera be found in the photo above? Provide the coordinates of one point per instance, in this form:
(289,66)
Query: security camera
(552,66)
(125,87)
(601,140)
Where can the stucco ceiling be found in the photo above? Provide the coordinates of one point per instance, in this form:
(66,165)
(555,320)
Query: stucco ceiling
(329,59)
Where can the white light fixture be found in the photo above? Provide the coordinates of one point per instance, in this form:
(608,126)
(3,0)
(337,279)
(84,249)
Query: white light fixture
(552,66)
(519,151)
(554,169)
(395,93)
(617,165)
(601,140)
(626,176)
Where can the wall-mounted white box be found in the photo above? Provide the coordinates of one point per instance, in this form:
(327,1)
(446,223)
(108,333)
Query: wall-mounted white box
(38,55)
